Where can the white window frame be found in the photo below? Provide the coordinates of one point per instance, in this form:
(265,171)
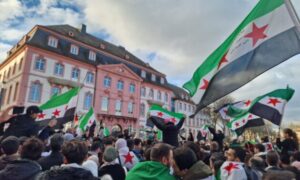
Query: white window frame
(35,92)
(162,80)
(85,105)
(60,70)
(143,74)
(153,77)
(104,104)
(52,41)
(90,77)
(41,61)
(118,106)
(132,88)
(78,73)
(107,81)
(92,55)
(120,85)
(74,49)
(130,107)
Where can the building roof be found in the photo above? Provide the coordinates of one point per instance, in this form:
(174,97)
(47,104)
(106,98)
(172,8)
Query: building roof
(180,93)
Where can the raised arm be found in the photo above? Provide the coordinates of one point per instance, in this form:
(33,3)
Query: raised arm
(180,124)
(212,130)
(157,124)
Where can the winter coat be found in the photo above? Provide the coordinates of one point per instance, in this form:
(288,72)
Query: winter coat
(170,131)
(116,171)
(150,170)
(46,132)
(6,159)
(217,137)
(54,159)
(66,173)
(22,125)
(198,171)
(20,170)
(287,146)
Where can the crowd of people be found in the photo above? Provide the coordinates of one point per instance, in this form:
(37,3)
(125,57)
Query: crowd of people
(48,154)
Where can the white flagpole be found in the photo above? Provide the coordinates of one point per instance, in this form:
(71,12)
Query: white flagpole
(293,13)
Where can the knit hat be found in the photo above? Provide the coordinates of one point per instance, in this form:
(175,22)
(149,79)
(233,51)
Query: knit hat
(110,154)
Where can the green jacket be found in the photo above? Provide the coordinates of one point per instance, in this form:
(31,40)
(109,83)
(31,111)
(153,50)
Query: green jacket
(150,170)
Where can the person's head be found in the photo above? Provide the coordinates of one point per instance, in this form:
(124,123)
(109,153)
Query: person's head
(288,133)
(32,149)
(74,151)
(137,144)
(52,122)
(56,141)
(257,163)
(96,146)
(216,160)
(219,131)
(147,154)
(272,158)
(236,154)
(296,156)
(130,144)
(33,111)
(110,154)
(285,160)
(195,147)
(184,159)
(10,145)
(279,175)
(214,146)
(120,144)
(107,141)
(162,153)
(259,148)
(265,139)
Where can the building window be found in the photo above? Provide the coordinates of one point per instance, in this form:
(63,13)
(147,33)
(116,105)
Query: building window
(184,107)
(74,49)
(52,41)
(107,81)
(151,93)
(104,104)
(90,77)
(8,73)
(162,80)
(14,68)
(159,95)
(118,106)
(20,64)
(153,77)
(75,73)
(35,92)
(143,91)
(143,74)
(130,108)
(180,106)
(59,69)
(88,100)
(189,108)
(92,55)
(120,85)
(142,110)
(166,97)
(55,90)
(131,88)
(39,64)
(9,93)
(16,91)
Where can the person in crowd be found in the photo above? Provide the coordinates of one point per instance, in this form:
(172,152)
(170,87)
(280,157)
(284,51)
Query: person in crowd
(213,147)
(9,146)
(170,131)
(22,140)
(138,149)
(259,150)
(56,157)
(279,175)
(74,152)
(158,168)
(95,151)
(126,134)
(26,168)
(48,130)
(110,167)
(290,143)
(191,137)
(233,167)
(272,160)
(126,158)
(196,148)
(257,165)
(296,160)
(218,137)
(130,144)
(23,125)
(187,166)
(200,136)
(108,141)
(215,162)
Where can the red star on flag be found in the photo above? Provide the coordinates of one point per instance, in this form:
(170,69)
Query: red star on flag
(223,60)
(247,103)
(204,134)
(41,116)
(173,120)
(225,111)
(90,122)
(205,85)
(257,33)
(250,116)
(273,101)
(160,114)
(128,158)
(237,124)
(231,167)
(269,147)
(56,112)
(244,120)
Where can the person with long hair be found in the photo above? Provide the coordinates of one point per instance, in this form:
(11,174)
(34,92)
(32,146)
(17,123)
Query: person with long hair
(290,143)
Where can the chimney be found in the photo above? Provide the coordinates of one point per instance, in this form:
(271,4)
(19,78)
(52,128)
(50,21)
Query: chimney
(83,28)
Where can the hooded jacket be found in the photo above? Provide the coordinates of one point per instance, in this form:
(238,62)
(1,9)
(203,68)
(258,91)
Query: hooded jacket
(6,159)
(150,170)
(20,170)
(198,171)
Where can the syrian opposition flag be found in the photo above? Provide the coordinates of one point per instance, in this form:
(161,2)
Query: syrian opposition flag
(266,37)
(225,113)
(233,170)
(239,124)
(60,106)
(87,120)
(204,130)
(163,115)
(106,132)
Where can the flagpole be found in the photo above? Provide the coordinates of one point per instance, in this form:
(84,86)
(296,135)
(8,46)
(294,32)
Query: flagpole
(292,13)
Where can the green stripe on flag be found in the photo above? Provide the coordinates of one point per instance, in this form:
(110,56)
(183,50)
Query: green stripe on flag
(159,135)
(60,100)
(83,122)
(106,132)
(262,8)
(156,107)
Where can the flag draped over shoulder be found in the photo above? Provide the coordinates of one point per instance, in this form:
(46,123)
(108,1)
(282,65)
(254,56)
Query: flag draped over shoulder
(87,120)
(266,37)
(163,115)
(60,106)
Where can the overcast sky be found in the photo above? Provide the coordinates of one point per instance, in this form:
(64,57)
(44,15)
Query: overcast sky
(174,36)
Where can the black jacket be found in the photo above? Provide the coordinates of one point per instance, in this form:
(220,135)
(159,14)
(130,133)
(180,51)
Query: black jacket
(6,159)
(116,171)
(46,132)
(217,137)
(170,131)
(22,125)
(20,170)
(54,159)
(66,173)
(287,146)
